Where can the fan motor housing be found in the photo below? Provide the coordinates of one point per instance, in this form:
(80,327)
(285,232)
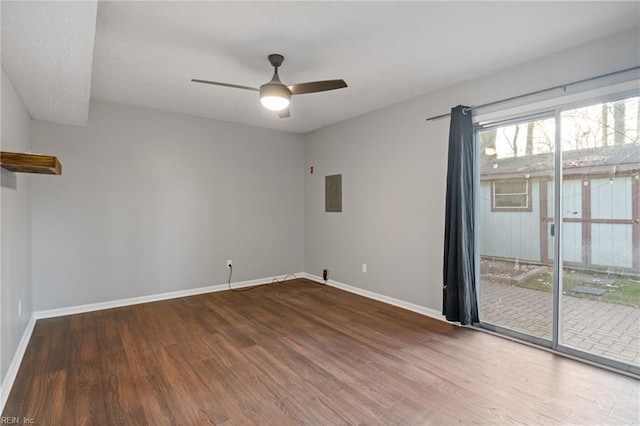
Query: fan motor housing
(275,59)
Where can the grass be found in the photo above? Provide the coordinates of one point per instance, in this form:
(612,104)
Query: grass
(624,291)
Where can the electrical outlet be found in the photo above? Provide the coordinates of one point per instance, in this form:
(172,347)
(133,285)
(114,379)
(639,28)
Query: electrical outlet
(325,274)
(364,268)
(229,263)
(19,308)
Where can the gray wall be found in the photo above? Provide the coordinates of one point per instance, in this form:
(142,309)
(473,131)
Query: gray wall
(392,210)
(152,202)
(15,230)
(394,165)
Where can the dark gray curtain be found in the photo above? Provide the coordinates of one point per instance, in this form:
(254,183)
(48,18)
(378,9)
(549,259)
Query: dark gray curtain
(460,301)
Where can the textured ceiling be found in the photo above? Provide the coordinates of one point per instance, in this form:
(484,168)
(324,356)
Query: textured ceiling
(147,52)
(47,52)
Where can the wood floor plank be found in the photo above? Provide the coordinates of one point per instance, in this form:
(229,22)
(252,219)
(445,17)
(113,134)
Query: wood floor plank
(250,392)
(344,394)
(107,331)
(54,354)
(152,387)
(187,388)
(84,321)
(45,400)
(122,404)
(83,403)
(220,391)
(313,408)
(299,353)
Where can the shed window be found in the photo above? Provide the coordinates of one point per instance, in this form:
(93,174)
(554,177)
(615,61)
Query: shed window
(511,195)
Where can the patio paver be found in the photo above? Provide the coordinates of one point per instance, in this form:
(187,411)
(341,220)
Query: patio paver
(603,328)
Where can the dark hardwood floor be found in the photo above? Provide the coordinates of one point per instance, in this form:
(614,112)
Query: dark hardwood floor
(294,353)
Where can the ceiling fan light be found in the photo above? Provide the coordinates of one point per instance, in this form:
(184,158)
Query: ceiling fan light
(274,103)
(275,96)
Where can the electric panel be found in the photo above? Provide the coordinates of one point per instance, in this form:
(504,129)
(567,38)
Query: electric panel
(333,193)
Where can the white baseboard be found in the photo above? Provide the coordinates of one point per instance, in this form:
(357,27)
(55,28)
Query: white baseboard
(382,298)
(79,309)
(12,371)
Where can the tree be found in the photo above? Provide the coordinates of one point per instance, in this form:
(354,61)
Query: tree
(513,143)
(545,141)
(605,124)
(619,122)
(529,147)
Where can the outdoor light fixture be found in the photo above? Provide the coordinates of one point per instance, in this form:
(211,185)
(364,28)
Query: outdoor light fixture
(275,95)
(490,151)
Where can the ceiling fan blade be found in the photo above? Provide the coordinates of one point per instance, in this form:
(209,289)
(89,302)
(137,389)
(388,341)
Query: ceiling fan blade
(216,83)
(316,86)
(284,113)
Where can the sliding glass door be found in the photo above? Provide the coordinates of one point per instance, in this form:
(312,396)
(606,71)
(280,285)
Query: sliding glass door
(565,182)
(516,172)
(601,231)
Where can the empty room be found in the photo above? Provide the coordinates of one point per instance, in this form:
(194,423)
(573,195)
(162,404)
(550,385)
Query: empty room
(283,212)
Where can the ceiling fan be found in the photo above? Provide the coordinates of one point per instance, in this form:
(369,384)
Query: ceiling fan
(275,95)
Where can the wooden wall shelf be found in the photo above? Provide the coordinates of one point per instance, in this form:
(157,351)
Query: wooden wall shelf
(30,163)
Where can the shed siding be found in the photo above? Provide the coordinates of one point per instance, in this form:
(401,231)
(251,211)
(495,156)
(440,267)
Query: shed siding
(611,198)
(611,245)
(571,242)
(571,199)
(509,234)
(516,235)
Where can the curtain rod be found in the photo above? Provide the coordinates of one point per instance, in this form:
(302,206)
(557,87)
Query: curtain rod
(561,86)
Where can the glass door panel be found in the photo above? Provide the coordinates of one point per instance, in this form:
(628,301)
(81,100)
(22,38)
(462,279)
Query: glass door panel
(601,242)
(515,223)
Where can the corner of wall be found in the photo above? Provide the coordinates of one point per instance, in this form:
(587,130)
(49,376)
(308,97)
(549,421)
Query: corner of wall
(16,289)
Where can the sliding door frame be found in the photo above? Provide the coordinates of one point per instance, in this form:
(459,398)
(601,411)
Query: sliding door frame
(515,334)
(555,344)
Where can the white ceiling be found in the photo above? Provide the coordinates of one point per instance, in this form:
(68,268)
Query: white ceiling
(47,52)
(146,53)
